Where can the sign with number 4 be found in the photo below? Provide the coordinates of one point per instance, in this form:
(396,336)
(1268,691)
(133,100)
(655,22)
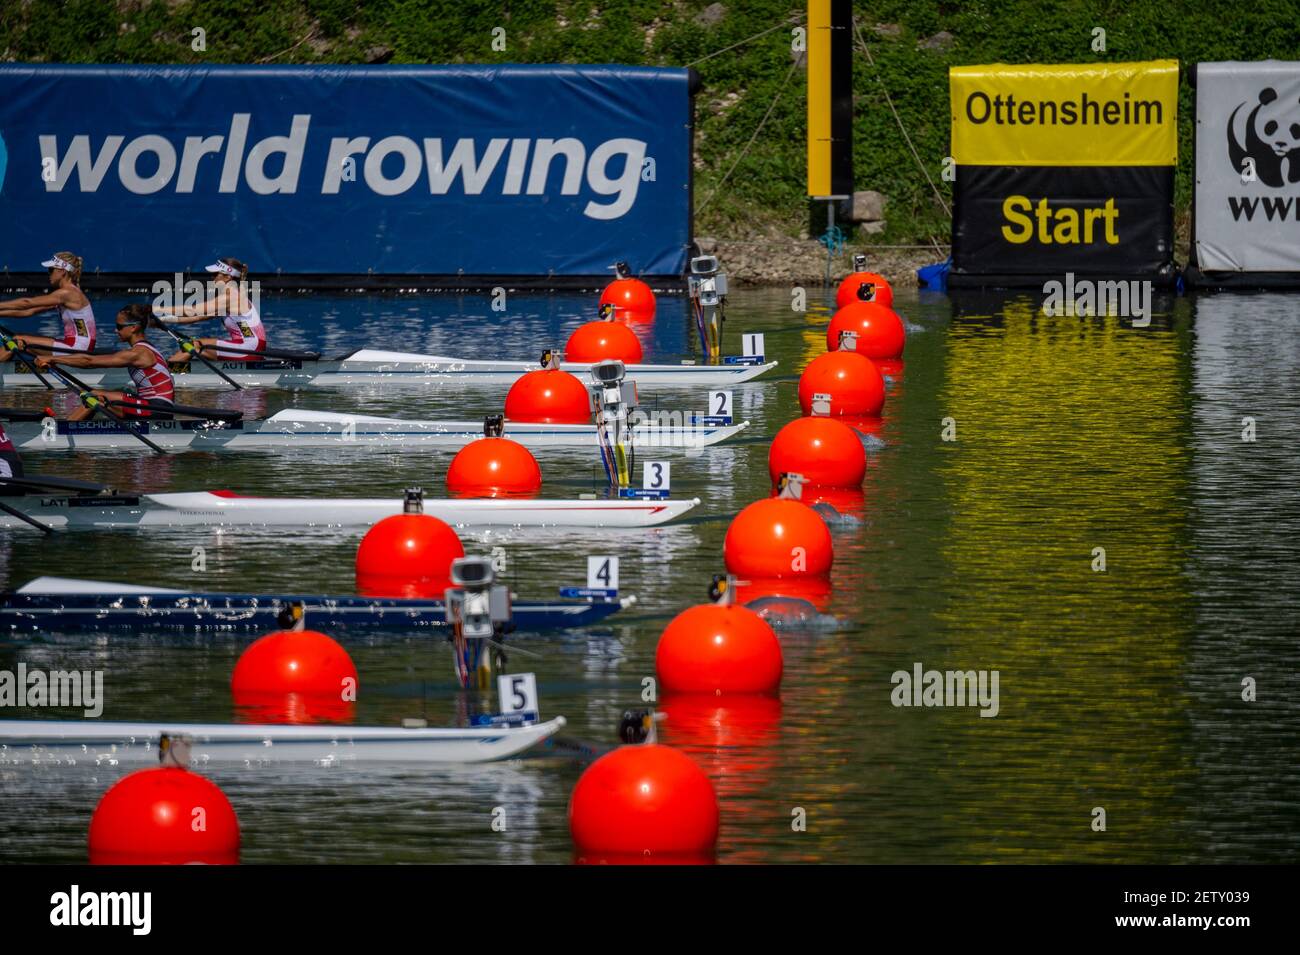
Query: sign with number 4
(602,573)
(658,476)
(517,693)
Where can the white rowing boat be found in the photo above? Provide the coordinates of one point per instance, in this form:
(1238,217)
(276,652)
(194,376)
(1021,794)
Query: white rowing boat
(65,742)
(305,428)
(388,368)
(224,508)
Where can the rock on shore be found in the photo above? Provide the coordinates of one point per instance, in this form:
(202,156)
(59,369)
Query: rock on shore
(781,260)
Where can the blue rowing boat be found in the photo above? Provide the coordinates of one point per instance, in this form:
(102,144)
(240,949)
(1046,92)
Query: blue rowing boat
(55,605)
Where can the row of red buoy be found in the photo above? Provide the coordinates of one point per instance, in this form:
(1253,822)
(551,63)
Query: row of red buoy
(649,801)
(168,815)
(638,801)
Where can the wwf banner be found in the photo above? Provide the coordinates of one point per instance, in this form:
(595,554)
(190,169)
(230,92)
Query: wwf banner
(1066,168)
(1246,215)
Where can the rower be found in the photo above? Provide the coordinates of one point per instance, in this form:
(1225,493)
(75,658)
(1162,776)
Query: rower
(246,335)
(145,363)
(11,462)
(613,398)
(66,296)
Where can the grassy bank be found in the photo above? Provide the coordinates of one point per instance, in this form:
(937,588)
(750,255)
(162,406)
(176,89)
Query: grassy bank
(742,191)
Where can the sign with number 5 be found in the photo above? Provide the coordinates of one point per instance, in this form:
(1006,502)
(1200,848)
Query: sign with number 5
(517,693)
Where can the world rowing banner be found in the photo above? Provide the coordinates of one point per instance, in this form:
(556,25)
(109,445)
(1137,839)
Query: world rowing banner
(461,171)
(1063,169)
(1246,215)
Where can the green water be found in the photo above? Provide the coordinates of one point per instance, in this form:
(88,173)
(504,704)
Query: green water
(1119,689)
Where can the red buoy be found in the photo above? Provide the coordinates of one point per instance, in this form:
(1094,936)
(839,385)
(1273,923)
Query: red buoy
(880,331)
(825,451)
(632,299)
(719,649)
(494,467)
(548,396)
(864,287)
(295,661)
(164,816)
(778,538)
(601,340)
(855,385)
(407,555)
(643,800)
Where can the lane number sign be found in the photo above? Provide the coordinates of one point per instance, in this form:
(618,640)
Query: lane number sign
(602,573)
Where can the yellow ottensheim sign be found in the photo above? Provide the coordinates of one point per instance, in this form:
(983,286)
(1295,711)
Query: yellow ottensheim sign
(1103,114)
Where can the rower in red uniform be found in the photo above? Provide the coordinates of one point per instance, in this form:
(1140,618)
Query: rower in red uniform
(245,333)
(65,295)
(11,464)
(147,366)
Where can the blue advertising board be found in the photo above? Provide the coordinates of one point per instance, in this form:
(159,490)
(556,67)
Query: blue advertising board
(390,170)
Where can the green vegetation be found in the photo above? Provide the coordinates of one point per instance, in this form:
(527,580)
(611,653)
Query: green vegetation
(766,188)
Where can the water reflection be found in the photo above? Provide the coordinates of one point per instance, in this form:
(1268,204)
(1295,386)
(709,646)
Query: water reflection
(1120,689)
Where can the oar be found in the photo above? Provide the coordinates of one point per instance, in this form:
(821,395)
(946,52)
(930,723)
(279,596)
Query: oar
(14,512)
(267,353)
(23,414)
(22,356)
(189,347)
(183,411)
(90,401)
(40,482)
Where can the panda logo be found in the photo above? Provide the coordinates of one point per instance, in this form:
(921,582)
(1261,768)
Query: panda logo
(1272,139)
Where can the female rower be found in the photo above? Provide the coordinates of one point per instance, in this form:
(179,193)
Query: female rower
(11,465)
(146,365)
(246,333)
(65,295)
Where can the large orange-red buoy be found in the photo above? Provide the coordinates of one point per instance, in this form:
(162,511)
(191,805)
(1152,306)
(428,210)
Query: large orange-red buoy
(494,467)
(600,341)
(855,385)
(295,661)
(880,331)
(632,299)
(827,452)
(548,396)
(164,816)
(864,287)
(407,555)
(719,649)
(643,800)
(778,538)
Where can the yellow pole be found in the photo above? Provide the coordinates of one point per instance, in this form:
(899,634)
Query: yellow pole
(819,97)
